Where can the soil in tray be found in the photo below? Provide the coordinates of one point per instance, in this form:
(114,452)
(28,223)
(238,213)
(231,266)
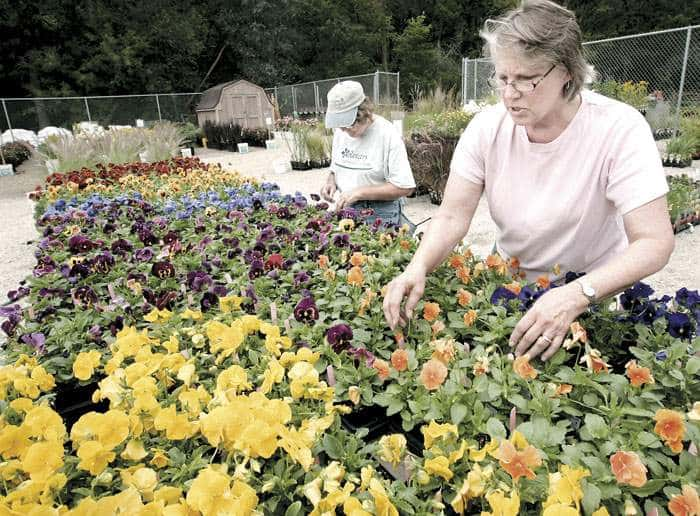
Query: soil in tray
(373,418)
(74,401)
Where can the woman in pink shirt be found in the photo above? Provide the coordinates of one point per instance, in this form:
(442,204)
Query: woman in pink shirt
(572,179)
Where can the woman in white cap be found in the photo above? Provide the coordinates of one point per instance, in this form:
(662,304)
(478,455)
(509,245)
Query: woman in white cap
(573,180)
(369,165)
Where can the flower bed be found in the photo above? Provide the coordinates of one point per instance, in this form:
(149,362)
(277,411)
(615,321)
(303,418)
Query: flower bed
(231,329)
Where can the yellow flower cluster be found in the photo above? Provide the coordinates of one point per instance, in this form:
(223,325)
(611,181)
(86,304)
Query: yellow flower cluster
(32,446)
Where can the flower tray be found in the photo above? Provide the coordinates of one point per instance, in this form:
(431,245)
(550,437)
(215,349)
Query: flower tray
(373,418)
(73,401)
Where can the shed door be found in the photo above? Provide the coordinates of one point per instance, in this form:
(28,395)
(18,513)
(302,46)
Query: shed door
(247,111)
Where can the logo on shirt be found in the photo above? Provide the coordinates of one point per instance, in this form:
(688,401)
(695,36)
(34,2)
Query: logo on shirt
(350,154)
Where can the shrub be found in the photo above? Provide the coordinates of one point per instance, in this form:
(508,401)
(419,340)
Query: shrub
(16,153)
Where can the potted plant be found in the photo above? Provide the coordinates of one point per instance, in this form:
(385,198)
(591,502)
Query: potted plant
(5,169)
(297,145)
(315,146)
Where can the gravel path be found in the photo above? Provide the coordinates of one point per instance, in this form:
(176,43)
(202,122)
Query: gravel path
(18,234)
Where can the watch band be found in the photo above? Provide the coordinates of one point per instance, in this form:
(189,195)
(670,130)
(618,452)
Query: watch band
(587,290)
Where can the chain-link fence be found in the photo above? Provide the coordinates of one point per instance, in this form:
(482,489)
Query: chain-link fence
(310,97)
(668,60)
(36,113)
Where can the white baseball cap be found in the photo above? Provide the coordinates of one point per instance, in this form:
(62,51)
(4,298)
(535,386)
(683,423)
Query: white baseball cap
(343,100)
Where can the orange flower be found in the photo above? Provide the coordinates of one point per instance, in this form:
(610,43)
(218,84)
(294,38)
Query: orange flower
(357,259)
(323,261)
(382,368)
(513,287)
(563,388)
(443,350)
(398,336)
(470,318)
(355,276)
(464,274)
(628,469)
(431,311)
(399,359)
(463,297)
(685,504)
(437,327)
(366,301)
(514,263)
(433,374)
(329,274)
(493,261)
(467,253)
(481,366)
(405,244)
(518,463)
(543,281)
(671,428)
(638,375)
(523,369)
(457,261)
(594,361)
(578,332)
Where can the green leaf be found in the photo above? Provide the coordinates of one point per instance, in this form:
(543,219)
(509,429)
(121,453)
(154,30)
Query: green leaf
(394,407)
(591,498)
(332,446)
(693,365)
(597,467)
(648,440)
(596,426)
(458,412)
(631,411)
(495,428)
(651,487)
(294,509)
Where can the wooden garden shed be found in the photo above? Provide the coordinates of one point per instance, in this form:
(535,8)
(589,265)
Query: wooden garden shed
(240,102)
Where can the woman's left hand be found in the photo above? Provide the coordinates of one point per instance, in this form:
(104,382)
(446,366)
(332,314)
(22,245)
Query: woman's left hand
(345,200)
(545,325)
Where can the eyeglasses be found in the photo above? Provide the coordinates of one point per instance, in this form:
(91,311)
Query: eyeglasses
(521,86)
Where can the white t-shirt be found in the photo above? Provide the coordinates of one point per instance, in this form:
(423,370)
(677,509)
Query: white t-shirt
(562,202)
(377,157)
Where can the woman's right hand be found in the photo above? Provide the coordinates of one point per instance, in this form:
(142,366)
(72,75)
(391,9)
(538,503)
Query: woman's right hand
(328,190)
(410,284)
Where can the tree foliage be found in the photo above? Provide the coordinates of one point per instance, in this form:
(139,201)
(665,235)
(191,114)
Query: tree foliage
(100,47)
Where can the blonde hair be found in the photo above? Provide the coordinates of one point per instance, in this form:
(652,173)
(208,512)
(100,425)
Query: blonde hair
(542,29)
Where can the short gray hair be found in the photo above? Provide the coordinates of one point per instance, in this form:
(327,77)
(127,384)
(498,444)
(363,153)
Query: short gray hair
(542,29)
(364,110)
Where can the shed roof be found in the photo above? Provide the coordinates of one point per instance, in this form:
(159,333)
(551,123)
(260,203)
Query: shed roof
(210,98)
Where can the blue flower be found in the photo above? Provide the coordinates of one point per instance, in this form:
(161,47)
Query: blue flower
(679,325)
(687,298)
(501,295)
(661,355)
(634,294)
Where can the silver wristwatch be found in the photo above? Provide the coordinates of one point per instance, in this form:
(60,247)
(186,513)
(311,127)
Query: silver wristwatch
(587,290)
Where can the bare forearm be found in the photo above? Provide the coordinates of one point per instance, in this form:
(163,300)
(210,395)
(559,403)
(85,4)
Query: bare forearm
(383,192)
(439,239)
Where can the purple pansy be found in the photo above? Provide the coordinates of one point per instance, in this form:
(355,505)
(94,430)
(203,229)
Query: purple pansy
(306,310)
(339,336)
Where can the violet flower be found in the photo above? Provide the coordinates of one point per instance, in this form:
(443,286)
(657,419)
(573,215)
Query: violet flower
(84,296)
(80,244)
(198,280)
(339,337)
(163,270)
(145,254)
(209,301)
(680,325)
(306,310)
(36,340)
(362,354)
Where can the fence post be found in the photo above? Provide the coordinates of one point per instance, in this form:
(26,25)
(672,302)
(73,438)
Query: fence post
(294,102)
(160,117)
(316,98)
(464,81)
(476,76)
(398,91)
(7,117)
(375,93)
(680,88)
(87,109)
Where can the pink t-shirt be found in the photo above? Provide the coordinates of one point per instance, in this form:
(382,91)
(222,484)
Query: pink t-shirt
(562,202)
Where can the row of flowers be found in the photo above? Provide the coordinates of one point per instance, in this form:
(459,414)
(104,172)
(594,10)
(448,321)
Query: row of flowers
(148,295)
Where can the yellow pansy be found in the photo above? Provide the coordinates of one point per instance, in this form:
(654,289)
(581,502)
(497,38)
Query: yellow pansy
(21,405)
(160,459)
(274,373)
(195,315)
(42,459)
(169,495)
(212,493)
(602,511)
(353,507)
(176,426)
(564,486)
(223,338)
(302,375)
(85,364)
(157,315)
(435,431)
(501,505)
(45,423)
(172,345)
(44,380)
(14,441)
(303,355)
(186,374)
(392,448)
(382,504)
(439,466)
(134,451)
(228,303)
(472,487)
(112,428)
(27,387)
(143,479)
(94,457)
(366,476)
(477,455)
(560,509)
(232,381)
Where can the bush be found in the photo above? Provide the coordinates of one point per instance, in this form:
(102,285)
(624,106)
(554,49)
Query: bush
(16,153)
(636,94)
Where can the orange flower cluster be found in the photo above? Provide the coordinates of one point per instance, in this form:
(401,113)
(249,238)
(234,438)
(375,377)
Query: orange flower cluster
(355,276)
(519,461)
(464,274)
(323,261)
(457,261)
(470,318)
(628,469)
(514,287)
(443,350)
(671,428)
(463,297)
(433,374)
(366,301)
(638,375)
(685,504)
(543,281)
(493,261)
(382,368)
(357,259)
(399,360)
(523,369)
(431,311)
